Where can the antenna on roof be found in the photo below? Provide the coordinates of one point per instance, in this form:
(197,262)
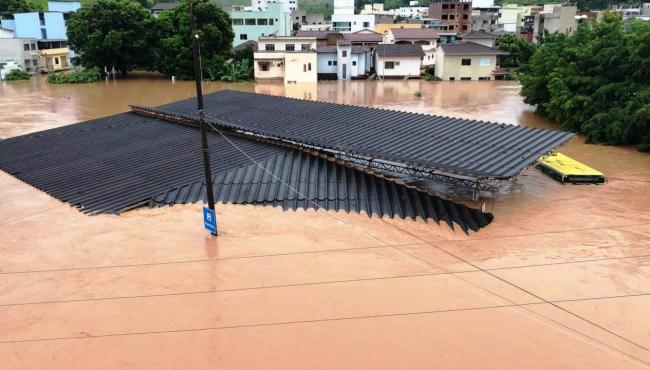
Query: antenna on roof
(209,218)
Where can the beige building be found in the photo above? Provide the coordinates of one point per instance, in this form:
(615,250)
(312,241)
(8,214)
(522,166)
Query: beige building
(288,58)
(384,27)
(555,18)
(466,61)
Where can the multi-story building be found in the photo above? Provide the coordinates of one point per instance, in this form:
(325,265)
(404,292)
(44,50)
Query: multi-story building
(22,51)
(288,58)
(42,35)
(455,15)
(251,25)
(555,18)
(287,5)
(486,19)
(511,16)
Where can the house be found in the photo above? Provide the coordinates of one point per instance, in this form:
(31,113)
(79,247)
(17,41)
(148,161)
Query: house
(398,60)
(291,59)
(555,18)
(343,60)
(358,22)
(455,15)
(480,37)
(251,25)
(466,61)
(427,38)
(486,19)
(48,30)
(161,7)
(287,5)
(23,51)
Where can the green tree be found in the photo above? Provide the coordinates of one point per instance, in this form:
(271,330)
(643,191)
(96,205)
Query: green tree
(215,32)
(113,33)
(596,82)
(519,51)
(14,6)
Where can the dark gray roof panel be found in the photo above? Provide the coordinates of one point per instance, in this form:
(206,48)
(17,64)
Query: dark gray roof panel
(467,147)
(116,163)
(399,50)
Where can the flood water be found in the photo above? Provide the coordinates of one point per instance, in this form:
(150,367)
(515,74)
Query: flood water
(28,106)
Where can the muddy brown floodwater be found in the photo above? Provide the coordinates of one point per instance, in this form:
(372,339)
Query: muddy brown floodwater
(559,280)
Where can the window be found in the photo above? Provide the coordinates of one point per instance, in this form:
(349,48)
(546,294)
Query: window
(336,62)
(465,16)
(484,78)
(262,22)
(389,65)
(264,66)
(250,21)
(466,6)
(270,22)
(304,68)
(485,62)
(452,17)
(354,63)
(290,47)
(56,60)
(43,33)
(309,66)
(243,36)
(452,6)
(445,16)
(33,46)
(26,47)
(452,78)
(269,47)
(464,27)
(466,62)
(445,6)
(237,22)
(465,78)
(344,53)
(329,62)
(366,24)
(27,61)
(305,47)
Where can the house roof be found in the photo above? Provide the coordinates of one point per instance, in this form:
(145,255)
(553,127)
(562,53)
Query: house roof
(319,35)
(356,49)
(164,6)
(363,37)
(478,35)
(402,50)
(414,33)
(244,45)
(462,146)
(470,48)
(120,162)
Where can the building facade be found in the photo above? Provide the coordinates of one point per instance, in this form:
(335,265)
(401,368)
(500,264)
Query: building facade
(486,19)
(455,15)
(555,18)
(287,5)
(290,59)
(24,52)
(251,25)
(398,60)
(343,61)
(358,22)
(466,61)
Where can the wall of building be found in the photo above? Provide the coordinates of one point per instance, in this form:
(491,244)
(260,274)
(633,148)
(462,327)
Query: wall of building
(357,22)
(262,23)
(275,62)
(14,49)
(28,25)
(327,63)
(344,65)
(280,43)
(450,66)
(459,10)
(301,67)
(53,60)
(384,27)
(63,6)
(404,66)
(287,5)
(343,6)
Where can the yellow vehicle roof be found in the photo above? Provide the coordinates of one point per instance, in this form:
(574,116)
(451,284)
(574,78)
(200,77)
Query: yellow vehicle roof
(568,166)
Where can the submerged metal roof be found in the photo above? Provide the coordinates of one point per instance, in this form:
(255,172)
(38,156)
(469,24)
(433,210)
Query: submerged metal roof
(120,162)
(462,146)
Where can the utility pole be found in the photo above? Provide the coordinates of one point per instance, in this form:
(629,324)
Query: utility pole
(198,74)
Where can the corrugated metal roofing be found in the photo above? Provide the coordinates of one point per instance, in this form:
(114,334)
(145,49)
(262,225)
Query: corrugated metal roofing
(399,50)
(117,163)
(463,146)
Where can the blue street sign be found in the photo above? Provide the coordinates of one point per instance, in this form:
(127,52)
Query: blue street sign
(209,220)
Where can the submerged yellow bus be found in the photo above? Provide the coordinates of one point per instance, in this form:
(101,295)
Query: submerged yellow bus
(566,169)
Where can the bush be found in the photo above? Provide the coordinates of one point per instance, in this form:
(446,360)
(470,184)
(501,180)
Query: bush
(76,76)
(17,74)
(432,78)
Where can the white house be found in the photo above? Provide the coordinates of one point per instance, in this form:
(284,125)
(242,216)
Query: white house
(398,60)
(287,5)
(343,61)
(288,58)
(427,38)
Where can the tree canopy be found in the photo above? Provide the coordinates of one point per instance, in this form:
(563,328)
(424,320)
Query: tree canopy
(113,33)
(14,6)
(519,51)
(175,47)
(596,82)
